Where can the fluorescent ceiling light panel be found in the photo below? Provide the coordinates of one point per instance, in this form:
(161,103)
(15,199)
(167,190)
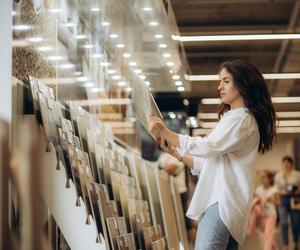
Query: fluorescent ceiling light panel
(286,130)
(289,123)
(283,114)
(235,37)
(267,76)
(288,114)
(292,99)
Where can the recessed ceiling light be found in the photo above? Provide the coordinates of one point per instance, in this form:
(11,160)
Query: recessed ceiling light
(80,37)
(105,23)
(55,58)
(166,55)
(69,24)
(95,9)
(35,39)
(120,45)
(172,115)
(55,10)
(116,77)
(138,71)
(162,45)
(97,55)
(44,48)
(129,89)
(77,73)
(111,71)
(181,89)
(122,83)
(82,79)
(132,63)
(67,66)
(143,77)
(127,55)
(89,84)
(153,23)
(88,46)
(104,64)
(21,27)
(186,102)
(176,77)
(147,9)
(170,64)
(113,35)
(96,90)
(158,36)
(178,83)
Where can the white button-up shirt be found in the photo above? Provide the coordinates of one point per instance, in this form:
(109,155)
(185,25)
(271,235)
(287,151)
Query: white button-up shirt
(225,162)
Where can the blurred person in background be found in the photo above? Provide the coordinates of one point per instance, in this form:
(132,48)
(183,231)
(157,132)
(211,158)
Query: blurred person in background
(288,183)
(176,168)
(225,160)
(263,211)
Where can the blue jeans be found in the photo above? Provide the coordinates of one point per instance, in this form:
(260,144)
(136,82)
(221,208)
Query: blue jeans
(212,233)
(285,211)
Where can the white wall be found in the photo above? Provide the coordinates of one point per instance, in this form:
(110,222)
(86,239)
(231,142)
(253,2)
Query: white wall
(272,160)
(5,59)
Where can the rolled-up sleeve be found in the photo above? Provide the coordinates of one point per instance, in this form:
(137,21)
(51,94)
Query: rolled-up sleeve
(198,165)
(183,144)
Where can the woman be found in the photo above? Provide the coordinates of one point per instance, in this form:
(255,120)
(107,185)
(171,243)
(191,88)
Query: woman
(225,159)
(263,210)
(288,183)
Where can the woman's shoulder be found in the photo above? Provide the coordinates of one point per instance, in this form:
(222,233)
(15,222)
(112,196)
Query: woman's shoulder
(243,117)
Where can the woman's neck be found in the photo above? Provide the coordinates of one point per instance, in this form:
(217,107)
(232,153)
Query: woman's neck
(238,103)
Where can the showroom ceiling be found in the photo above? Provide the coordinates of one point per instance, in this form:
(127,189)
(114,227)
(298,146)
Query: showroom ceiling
(240,17)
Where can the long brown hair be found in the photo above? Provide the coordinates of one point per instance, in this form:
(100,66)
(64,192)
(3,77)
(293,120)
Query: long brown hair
(253,88)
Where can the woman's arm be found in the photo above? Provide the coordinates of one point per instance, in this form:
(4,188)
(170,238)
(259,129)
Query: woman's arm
(228,137)
(188,160)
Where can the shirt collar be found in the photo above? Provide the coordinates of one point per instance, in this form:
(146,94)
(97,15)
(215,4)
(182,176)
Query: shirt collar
(237,111)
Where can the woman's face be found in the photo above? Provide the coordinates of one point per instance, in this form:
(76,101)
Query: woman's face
(287,166)
(264,178)
(227,91)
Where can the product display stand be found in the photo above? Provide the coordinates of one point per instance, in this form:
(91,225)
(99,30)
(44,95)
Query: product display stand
(61,201)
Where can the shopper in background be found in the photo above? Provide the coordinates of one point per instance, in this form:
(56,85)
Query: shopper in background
(176,168)
(288,183)
(263,211)
(225,159)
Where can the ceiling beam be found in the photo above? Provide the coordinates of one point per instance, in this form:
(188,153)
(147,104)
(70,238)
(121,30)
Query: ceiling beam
(281,58)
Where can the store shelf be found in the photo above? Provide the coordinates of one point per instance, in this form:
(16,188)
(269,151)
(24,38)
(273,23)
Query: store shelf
(61,200)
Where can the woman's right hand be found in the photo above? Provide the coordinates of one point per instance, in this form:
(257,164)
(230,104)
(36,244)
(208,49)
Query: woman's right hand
(156,127)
